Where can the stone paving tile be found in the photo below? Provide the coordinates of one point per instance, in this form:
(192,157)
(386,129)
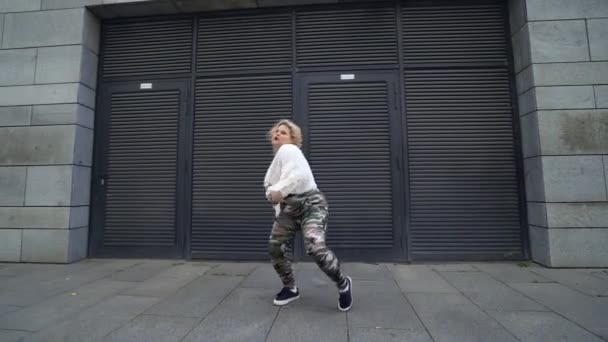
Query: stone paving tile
(7,271)
(512,273)
(452,317)
(489,293)
(36,292)
(200,301)
(576,280)
(168,281)
(246,315)
(366,271)
(153,329)
(116,265)
(38,316)
(263,277)
(53,281)
(420,278)
(143,271)
(381,304)
(454,268)
(599,273)
(387,335)
(532,326)
(197,298)
(24,274)
(95,321)
(314,278)
(307,323)
(305,266)
(589,312)
(12,335)
(41,270)
(4,309)
(233,269)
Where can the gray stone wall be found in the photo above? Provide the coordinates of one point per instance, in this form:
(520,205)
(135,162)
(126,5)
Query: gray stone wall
(561,60)
(48,54)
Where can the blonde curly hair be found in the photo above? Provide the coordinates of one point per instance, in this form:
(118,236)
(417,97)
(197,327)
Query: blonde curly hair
(294,130)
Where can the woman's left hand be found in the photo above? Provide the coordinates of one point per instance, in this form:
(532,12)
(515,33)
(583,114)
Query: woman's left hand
(275,197)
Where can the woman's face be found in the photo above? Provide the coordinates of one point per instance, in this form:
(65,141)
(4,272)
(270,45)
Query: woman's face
(280,136)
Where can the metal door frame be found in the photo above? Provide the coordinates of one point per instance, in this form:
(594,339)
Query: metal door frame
(99,170)
(392,78)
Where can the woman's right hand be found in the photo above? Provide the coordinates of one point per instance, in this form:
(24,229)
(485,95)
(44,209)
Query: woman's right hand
(275,197)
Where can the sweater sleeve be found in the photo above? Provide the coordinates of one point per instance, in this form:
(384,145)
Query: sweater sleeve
(292,170)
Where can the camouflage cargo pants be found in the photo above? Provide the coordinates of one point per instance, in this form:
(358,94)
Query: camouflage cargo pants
(308,212)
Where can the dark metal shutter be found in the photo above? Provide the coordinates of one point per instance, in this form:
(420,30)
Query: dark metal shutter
(248,42)
(462,162)
(147,48)
(454,33)
(231,218)
(350,154)
(142,169)
(360,36)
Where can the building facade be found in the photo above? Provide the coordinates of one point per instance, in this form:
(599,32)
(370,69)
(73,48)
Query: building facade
(439,130)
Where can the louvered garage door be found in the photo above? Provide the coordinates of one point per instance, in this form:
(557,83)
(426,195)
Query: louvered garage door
(339,37)
(462,162)
(147,48)
(138,172)
(243,44)
(231,218)
(245,88)
(352,130)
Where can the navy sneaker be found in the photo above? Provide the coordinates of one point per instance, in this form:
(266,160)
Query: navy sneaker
(345,302)
(286,296)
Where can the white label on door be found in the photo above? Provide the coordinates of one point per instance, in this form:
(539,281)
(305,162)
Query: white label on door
(347,76)
(145,86)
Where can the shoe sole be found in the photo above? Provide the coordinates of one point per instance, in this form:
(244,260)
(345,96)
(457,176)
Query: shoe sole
(286,301)
(350,283)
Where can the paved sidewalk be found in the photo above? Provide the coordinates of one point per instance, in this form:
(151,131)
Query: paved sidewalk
(160,300)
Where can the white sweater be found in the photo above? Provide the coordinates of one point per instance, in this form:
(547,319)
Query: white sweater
(289,173)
